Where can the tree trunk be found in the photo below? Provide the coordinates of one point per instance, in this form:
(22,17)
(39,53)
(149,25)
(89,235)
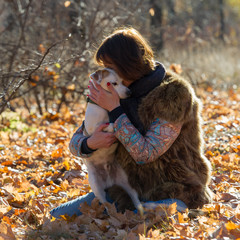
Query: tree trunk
(156,24)
(171,11)
(222,20)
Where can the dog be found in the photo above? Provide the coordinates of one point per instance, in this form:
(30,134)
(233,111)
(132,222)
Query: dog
(103,169)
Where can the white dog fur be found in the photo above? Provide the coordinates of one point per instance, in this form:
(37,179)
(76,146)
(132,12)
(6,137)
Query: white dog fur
(103,170)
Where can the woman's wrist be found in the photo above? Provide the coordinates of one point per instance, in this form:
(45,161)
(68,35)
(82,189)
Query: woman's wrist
(115,114)
(111,108)
(85,149)
(90,144)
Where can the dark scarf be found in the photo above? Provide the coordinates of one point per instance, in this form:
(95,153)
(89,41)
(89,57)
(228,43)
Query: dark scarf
(139,89)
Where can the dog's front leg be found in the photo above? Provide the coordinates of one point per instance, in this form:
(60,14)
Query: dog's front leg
(122,181)
(100,194)
(98,187)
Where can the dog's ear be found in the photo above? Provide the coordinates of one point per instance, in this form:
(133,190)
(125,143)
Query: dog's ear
(102,74)
(105,73)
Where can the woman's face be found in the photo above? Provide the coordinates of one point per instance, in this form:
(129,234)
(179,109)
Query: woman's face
(112,66)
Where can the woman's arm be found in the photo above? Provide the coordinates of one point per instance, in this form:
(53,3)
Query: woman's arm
(144,149)
(82,146)
(78,143)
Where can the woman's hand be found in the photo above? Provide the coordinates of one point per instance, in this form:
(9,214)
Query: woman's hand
(107,100)
(100,139)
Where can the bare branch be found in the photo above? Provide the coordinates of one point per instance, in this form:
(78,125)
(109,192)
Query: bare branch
(21,82)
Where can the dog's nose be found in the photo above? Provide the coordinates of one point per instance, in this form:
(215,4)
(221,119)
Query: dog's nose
(129,93)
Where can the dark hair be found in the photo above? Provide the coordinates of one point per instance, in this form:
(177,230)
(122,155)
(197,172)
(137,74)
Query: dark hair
(128,51)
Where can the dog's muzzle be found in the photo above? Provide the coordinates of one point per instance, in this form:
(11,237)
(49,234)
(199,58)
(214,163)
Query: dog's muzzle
(129,92)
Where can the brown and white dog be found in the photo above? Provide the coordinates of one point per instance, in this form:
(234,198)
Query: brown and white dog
(103,169)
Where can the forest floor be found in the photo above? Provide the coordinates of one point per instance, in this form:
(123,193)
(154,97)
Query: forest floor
(38,173)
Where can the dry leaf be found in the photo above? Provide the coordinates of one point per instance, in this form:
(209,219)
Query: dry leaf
(38,173)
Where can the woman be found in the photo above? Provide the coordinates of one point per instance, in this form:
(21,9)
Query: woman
(158,127)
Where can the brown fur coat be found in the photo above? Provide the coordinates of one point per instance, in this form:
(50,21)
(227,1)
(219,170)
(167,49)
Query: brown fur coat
(183,172)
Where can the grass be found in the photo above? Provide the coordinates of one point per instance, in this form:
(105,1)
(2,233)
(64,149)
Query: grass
(217,66)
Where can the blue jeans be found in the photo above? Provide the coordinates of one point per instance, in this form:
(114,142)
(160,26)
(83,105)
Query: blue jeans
(73,207)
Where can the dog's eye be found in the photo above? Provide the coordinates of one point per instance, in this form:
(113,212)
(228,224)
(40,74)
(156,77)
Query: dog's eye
(114,83)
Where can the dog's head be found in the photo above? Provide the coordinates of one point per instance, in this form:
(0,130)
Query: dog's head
(106,75)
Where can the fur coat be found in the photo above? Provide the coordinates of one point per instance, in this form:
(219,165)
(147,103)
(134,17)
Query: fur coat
(182,172)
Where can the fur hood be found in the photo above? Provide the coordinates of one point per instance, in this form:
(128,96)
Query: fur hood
(182,172)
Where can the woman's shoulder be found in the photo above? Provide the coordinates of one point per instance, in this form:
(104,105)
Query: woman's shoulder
(174,84)
(172,100)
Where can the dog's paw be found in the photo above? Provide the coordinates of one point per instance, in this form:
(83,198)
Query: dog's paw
(140,210)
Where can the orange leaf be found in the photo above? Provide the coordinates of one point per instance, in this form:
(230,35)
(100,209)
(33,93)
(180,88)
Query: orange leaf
(33,84)
(181,218)
(35,77)
(66,164)
(209,153)
(51,73)
(57,153)
(56,190)
(19,211)
(42,49)
(152,12)
(55,78)
(176,68)
(71,87)
(7,163)
(172,208)
(67,3)
(231,226)
(6,220)
(209,89)
(5,169)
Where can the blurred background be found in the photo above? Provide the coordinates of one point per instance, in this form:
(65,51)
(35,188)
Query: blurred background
(46,46)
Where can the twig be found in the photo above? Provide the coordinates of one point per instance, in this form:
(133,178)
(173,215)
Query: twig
(21,82)
(20,38)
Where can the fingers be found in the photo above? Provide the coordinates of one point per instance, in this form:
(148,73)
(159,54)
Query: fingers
(110,143)
(105,99)
(93,92)
(98,86)
(110,139)
(92,89)
(101,127)
(111,88)
(101,139)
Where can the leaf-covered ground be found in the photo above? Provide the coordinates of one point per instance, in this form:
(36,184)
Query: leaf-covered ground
(37,173)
